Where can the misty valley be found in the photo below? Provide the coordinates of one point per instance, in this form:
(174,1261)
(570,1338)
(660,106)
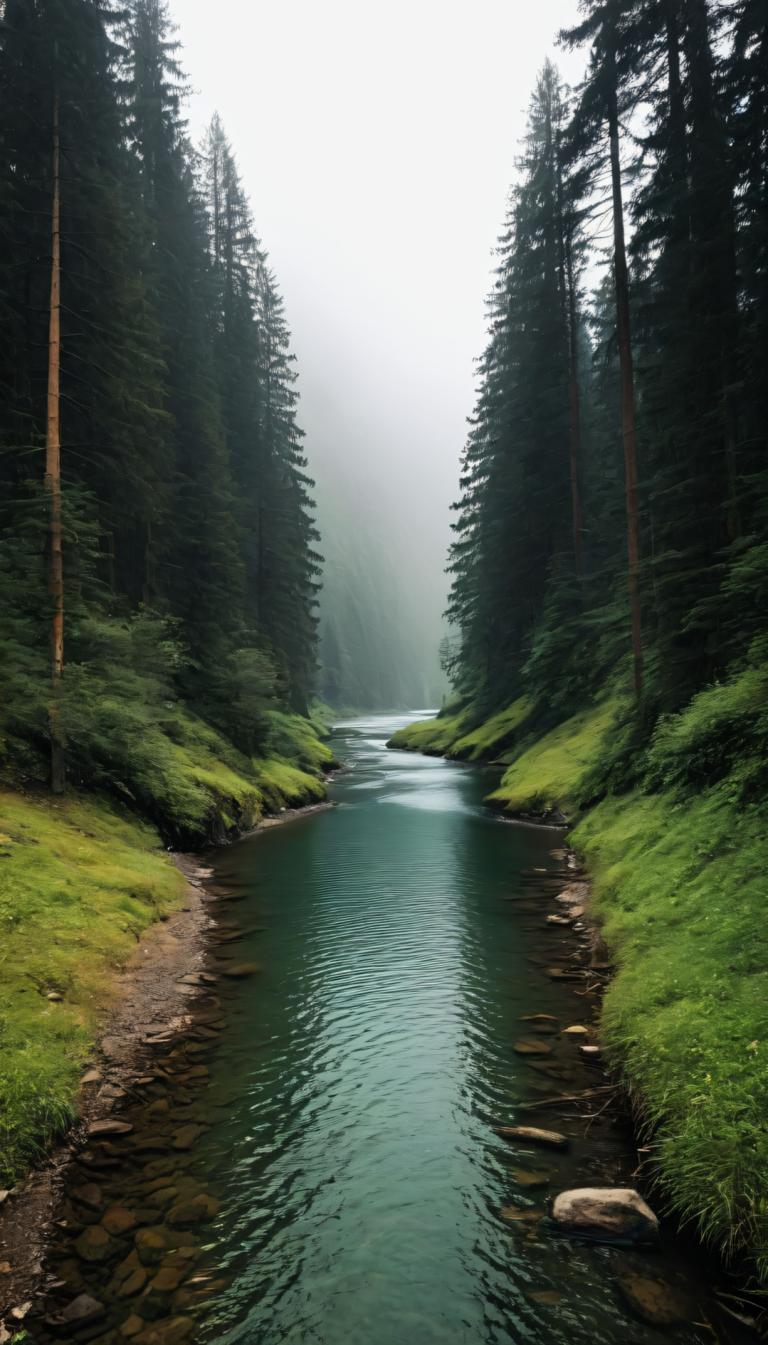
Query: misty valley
(384,673)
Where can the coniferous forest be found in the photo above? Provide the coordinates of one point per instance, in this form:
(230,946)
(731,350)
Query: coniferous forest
(613,495)
(151,439)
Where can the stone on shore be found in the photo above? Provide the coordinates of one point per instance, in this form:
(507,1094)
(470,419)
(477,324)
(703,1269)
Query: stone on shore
(82,1311)
(605,1214)
(109,1127)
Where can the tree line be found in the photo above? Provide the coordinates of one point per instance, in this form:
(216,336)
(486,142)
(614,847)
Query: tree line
(613,494)
(157,538)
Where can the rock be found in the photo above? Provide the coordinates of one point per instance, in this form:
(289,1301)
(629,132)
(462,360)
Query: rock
(132,1326)
(576,1030)
(550,1139)
(532,1048)
(151,1245)
(109,1127)
(134,1283)
(82,1311)
(605,1214)
(94,1244)
(533,1180)
(558,919)
(548,1298)
(118,1220)
(166,1281)
(187,1136)
(655,1301)
(199,1209)
(538,1018)
(241,970)
(4,1195)
(88,1195)
(591,1053)
(5,1268)
(515,1215)
(126,1268)
(54,997)
(160,1200)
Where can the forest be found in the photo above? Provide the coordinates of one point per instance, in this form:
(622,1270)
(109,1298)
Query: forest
(155,446)
(178,639)
(610,555)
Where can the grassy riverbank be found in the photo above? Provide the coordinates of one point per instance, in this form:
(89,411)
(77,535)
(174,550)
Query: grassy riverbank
(679,876)
(81,876)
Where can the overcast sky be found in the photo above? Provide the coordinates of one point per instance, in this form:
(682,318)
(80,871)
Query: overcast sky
(377,144)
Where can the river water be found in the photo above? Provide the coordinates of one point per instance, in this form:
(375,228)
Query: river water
(341,1132)
(361,1178)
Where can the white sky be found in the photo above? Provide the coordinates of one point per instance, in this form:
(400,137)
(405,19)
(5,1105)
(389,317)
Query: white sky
(377,144)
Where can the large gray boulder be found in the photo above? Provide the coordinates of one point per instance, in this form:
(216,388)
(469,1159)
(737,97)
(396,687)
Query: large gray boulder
(605,1214)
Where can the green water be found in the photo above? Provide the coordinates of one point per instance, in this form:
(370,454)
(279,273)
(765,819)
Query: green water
(356,1088)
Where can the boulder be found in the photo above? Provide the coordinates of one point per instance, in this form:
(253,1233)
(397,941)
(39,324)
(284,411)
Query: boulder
(187,1136)
(82,1311)
(654,1300)
(118,1220)
(550,1139)
(576,1030)
(132,1326)
(94,1244)
(88,1195)
(197,1210)
(605,1214)
(151,1246)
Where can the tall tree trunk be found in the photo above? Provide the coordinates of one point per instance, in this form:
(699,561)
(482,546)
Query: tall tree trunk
(53,473)
(627,379)
(570,317)
(577,514)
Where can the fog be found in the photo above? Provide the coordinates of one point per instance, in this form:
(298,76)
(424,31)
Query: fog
(377,144)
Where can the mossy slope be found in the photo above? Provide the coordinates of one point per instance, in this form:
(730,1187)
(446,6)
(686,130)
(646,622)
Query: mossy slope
(78,883)
(680,887)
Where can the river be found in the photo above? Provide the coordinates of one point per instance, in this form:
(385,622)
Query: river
(364,1196)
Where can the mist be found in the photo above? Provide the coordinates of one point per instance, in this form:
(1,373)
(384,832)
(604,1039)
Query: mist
(377,146)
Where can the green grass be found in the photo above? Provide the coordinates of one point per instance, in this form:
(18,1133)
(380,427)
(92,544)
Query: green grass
(78,883)
(489,738)
(680,887)
(433,737)
(548,773)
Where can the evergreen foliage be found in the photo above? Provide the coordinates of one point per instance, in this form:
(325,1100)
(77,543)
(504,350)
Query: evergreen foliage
(688,84)
(190,551)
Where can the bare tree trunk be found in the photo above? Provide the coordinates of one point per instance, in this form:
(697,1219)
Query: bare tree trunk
(575,427)
(53,474)
(627,380)
(568,297)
